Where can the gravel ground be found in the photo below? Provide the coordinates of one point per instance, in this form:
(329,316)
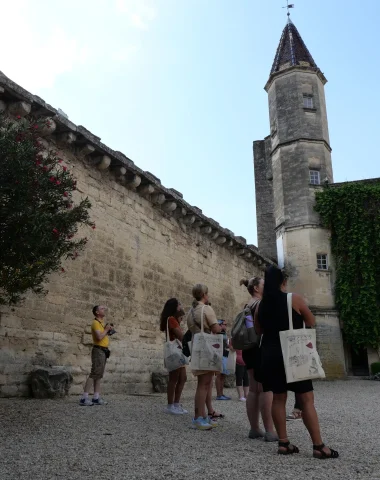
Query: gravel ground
(131,438)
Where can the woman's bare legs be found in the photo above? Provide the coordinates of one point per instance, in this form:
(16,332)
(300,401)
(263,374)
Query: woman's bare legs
(279,416)
(253,406)
(310,418)
(210,408)
(204,386)
(172,384)
(240,391)
(266,400)
(259,402)
(245,390)
(182,377)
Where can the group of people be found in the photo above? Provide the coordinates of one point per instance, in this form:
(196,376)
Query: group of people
(260,372)
(265,390)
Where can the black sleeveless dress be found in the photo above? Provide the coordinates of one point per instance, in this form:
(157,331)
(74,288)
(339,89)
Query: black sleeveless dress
(272,363)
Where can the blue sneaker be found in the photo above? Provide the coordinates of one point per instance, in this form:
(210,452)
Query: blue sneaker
(85,402)
(201,424)
(223,397)
(211,421)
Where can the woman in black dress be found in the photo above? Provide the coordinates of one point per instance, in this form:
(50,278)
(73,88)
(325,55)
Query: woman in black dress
(257,401)
(271,317)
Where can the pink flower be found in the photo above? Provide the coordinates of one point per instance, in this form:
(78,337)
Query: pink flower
(58,182)
(18,117)
(60,160)
(65,194)
(55,231)
(64,169)
(93,227)
(52,179)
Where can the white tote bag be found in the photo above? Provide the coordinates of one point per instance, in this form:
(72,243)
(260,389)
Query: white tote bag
(231,362)
(206,350)
(301,359)
(173,356)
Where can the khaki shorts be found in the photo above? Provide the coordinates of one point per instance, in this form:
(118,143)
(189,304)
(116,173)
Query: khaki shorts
(98,358)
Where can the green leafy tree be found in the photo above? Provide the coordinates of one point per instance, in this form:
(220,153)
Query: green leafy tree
(352,213)
(38,219)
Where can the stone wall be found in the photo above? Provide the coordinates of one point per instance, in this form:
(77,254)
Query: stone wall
(148,246)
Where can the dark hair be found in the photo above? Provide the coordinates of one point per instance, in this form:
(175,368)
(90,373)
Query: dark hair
(95,310)
(274,278)
(169,310)
(251,284)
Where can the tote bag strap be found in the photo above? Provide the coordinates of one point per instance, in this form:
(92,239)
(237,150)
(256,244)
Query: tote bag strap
(202,313)
(167,329)
(290,311)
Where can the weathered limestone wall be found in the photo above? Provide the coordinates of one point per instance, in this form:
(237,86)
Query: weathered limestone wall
(148,246)
(136,259)
(266,236)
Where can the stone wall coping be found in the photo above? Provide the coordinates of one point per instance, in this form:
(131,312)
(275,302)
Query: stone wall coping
(366,180)
(21,102)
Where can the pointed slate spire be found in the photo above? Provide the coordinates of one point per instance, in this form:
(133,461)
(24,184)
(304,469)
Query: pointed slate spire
(292,51)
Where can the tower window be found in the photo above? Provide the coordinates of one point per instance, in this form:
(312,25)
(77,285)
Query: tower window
(315,177)
(308,101)
(322,263)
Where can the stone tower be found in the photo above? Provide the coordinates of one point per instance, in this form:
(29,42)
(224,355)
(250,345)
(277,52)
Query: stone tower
(291,164)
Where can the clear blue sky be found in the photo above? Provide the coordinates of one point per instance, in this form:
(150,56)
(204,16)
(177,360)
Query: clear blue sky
(177,85)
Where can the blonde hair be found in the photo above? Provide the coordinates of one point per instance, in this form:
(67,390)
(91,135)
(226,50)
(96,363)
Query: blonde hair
(199,290)
(251,284)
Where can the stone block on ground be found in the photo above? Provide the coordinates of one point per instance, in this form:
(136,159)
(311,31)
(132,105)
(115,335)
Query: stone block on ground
(160,381)
(50,382)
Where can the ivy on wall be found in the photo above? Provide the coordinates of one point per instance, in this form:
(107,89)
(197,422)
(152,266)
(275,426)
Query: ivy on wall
(352,213)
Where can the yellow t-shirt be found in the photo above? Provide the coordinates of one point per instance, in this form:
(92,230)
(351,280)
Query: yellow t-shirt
(97,325)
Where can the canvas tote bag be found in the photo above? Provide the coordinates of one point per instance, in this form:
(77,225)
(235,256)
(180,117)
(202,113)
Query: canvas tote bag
(173,356)
(301,359)
(231,362)
(206,350)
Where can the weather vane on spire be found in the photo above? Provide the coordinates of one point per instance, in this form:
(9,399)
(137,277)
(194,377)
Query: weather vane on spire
(288,7)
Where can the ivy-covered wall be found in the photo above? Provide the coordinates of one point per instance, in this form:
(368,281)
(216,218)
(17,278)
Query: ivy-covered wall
(351,212)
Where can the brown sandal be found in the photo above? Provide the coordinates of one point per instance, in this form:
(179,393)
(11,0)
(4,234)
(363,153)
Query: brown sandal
(290,449)
(322,455)
(214,415)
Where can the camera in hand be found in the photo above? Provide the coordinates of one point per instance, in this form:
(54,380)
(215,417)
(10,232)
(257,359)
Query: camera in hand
(112,331)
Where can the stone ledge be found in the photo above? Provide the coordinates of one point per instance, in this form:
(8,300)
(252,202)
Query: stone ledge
(168,200)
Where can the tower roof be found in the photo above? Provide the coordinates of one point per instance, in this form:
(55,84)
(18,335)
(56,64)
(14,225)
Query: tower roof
(292,51)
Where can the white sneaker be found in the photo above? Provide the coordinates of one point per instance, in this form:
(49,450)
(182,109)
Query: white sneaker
(242,399)
(181,409)
(172,410)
